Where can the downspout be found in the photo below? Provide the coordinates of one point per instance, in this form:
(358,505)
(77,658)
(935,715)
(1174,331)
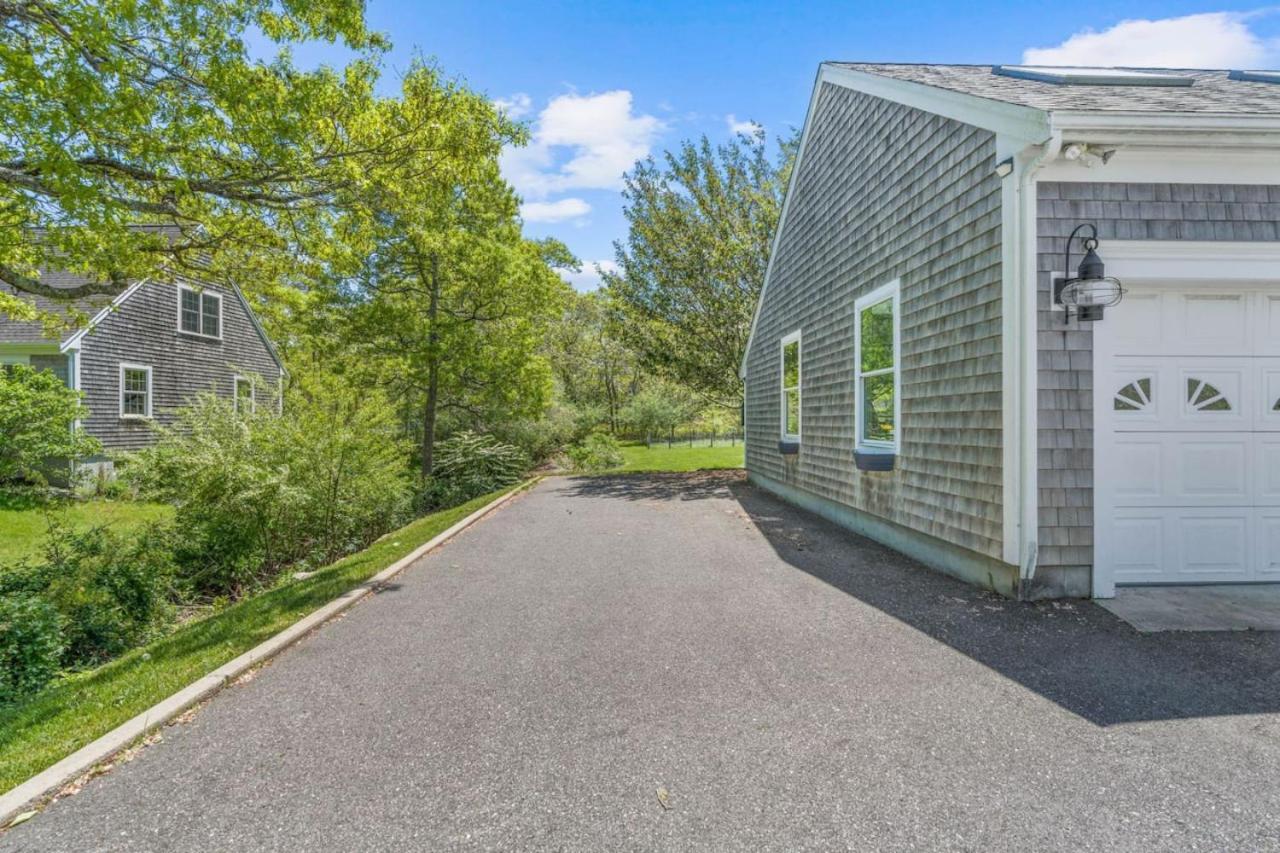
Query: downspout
(1028,346)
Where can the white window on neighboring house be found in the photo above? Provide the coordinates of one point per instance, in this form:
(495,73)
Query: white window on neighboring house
(199,312)
(244,401)
(135,391)
(878,369)
(791,387)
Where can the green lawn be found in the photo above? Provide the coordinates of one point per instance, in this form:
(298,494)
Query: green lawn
(681,457)
(84,706)
(25,521)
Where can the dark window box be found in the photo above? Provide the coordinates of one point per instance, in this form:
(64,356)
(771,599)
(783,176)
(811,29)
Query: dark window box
(788,447)
(874,460)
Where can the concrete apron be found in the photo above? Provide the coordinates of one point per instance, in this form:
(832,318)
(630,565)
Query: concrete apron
(1235,607)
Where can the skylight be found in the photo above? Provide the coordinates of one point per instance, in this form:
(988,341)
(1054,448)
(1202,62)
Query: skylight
(1092,76)
(1256,76)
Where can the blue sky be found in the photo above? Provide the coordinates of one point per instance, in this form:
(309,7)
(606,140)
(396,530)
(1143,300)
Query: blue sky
(602,83)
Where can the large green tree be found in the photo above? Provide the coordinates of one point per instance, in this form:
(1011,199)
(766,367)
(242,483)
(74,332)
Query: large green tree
(117,112)
(690,271)
(449,301)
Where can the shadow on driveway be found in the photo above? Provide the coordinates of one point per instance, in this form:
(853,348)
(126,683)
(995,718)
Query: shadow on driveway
(1073,653)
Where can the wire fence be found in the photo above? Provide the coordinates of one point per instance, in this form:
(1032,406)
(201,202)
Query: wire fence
(687,438)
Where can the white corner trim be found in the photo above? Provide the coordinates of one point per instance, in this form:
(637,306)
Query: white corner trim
(793,338)
(891,291)
(73,342)
(36,790)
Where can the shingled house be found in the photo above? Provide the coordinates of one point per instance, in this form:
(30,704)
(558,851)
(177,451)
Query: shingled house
(931,368)
(141,356)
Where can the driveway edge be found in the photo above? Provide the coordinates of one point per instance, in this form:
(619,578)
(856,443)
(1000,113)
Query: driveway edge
(53,778)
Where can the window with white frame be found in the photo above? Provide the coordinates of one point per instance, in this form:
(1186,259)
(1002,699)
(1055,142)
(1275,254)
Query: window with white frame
(199,312)
(135,391)
(878,369)
(244,401)
(791,387)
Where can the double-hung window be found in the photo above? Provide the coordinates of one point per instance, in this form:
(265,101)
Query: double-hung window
(878,369)
(791,387)
(199,312)
(135,391)
(244,401)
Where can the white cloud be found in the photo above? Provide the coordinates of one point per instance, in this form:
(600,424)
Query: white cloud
(581,142)
(589,278)
(1207,40)
(736,127)
(554,211)
(516,107)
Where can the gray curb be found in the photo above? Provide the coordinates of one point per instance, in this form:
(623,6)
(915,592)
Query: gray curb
(52,779)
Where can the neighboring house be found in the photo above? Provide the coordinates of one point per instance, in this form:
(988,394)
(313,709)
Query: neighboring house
(911,376)
(141,356)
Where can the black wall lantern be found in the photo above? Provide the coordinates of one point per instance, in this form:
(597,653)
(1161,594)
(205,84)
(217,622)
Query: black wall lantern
(1092,290)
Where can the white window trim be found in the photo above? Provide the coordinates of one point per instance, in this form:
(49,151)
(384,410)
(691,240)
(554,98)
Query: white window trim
(892,290)
(235,392)
(200,294)
(124,365)
(793,338)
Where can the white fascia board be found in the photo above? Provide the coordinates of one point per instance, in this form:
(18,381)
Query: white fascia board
(257,326)
(1181,130)
(1027,123)
(73,342)
(1023,125)
(1147,164)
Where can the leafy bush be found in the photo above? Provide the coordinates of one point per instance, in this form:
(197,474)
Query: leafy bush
(112,592)
(256,492)
(38,415)
(30,645)
(599,451)
(469,465)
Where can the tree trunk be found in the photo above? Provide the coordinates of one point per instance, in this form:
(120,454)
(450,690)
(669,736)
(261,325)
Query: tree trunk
(433,373)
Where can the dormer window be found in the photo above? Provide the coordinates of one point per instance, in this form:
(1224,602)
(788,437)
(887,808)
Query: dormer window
(199,312)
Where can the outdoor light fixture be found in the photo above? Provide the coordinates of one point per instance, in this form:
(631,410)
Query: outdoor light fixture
(1092,290)
(1004,168)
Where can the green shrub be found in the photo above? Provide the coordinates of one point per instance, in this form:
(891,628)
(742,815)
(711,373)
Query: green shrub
(257,492)
(30,645)
(38,415)
(599,451)
(112,592)
(469,465)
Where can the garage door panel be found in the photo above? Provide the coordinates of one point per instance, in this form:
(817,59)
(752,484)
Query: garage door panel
(1269,544)
(1187,420)
(1138,544)
(1211,322)
(1215,545)
(1210,467)
(1268,470)
(1269,321)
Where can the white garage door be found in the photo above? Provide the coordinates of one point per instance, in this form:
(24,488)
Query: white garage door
(1187,431)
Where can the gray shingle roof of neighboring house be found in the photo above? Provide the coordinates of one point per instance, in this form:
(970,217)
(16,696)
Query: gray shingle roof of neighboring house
(21,332)
(1211,92)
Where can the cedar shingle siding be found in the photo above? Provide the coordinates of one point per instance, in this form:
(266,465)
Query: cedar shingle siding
(1121,212)
(889,192)
(144,330)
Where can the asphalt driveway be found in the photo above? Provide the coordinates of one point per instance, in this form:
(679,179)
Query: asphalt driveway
(533,684)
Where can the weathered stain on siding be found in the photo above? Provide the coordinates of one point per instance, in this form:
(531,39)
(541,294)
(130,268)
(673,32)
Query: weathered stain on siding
(1121,212)
(144,330)
(885,192)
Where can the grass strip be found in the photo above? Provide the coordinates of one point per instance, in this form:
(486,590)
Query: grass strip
(680,458)
(84,706)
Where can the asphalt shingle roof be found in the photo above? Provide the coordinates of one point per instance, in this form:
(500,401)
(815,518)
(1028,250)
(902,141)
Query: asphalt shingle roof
(19,332)
(1213,92)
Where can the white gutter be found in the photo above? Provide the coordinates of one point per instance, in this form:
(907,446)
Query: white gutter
(1028,347)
